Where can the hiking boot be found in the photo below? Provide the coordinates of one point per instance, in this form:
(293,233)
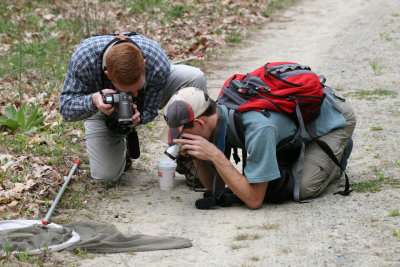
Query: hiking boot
(186,167)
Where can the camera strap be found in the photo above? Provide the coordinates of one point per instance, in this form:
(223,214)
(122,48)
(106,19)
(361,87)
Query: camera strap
(219,141)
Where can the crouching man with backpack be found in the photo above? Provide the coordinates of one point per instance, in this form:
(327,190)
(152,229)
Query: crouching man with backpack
(273,145)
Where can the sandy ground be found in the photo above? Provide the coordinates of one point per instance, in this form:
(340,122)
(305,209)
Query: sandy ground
(343,40)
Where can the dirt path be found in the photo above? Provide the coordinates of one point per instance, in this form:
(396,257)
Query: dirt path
(345,41)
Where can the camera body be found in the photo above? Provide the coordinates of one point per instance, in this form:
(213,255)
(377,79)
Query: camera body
(123,101)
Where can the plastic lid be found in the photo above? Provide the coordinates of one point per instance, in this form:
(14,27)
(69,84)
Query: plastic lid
(166,162)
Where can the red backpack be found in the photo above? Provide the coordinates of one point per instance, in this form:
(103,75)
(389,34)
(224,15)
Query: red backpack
(277,86)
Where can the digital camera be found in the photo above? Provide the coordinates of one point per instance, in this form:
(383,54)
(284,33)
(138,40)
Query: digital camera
(123,101)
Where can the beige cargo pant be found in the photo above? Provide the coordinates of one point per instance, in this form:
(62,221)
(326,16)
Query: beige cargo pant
(319,170)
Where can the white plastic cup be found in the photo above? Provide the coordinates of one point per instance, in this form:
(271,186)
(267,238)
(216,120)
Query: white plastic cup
(166,173)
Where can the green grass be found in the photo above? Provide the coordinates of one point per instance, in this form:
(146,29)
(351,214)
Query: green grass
(375,66)
(235,247)
(242,237)
(396,233)
(371,95)
(377,184)
(278,4)
(376,128)
(368,186)
(140,6)
(234,37)
(394,213)
(385,36)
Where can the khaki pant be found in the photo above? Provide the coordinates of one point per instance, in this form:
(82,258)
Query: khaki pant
(319,170)
(107,150)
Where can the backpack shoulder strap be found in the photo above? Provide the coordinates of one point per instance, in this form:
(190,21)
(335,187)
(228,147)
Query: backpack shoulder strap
(325,147)
(235,125)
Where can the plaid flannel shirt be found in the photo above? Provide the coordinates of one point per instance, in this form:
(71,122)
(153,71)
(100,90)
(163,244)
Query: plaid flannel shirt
(85,77)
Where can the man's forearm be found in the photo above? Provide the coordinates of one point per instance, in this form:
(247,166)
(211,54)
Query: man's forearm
(252,194)
(77,107)
(206,173)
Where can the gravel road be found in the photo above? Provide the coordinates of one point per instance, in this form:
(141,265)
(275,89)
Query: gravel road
(355,44)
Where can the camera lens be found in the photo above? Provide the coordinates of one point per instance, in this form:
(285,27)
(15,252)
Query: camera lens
(173,151)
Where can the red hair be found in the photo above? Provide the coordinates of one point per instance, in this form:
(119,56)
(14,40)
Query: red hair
(125,64)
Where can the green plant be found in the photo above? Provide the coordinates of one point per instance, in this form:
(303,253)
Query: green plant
(234,37)
(176,11)
(80,252)
(6,250)
(27,119)
(397,233)
(3,174)
(375,67)
(242,237)
(234,246)
(376,185)
(376,128)
(140,6)
(363,94)
(23,255)
(368,186)
(384,35)
(394,212)
(279,4)
(145,158)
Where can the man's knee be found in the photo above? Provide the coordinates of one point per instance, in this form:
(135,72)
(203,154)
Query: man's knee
(194,77)
(106,173)
(199,79)
(187,76)
(107,154)
(316,180)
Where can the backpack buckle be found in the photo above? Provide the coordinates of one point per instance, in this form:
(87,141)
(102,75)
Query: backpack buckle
(243,91)
(263,89)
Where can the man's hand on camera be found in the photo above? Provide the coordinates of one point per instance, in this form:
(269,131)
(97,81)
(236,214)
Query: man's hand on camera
(135,117)
(197,147)
(97,100)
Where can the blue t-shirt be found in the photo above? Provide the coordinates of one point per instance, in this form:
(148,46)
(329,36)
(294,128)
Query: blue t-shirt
(262,134)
